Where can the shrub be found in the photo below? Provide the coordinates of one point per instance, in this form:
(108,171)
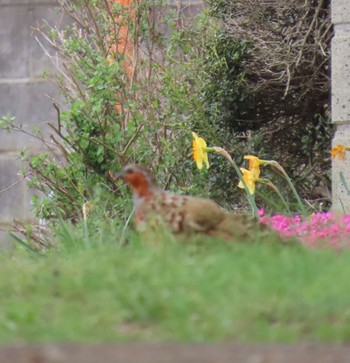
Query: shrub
(130,93)
(287,80)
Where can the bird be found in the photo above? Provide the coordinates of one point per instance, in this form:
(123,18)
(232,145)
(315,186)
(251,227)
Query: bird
(182,214)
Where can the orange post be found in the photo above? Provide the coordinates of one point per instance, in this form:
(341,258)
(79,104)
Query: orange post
(124,45)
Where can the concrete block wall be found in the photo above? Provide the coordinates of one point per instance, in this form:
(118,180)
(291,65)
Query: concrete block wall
(24,94)
(341,101)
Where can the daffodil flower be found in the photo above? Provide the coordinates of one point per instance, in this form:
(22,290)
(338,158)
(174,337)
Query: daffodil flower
(250,180)
(200,151)
(254,169)
(338,151)
(250,177)
(200,156)
(254,164)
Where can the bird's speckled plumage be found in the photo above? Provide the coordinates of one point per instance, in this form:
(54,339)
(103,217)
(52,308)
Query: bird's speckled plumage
(182,214)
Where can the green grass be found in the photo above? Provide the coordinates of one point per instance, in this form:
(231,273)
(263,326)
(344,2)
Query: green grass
(208,291)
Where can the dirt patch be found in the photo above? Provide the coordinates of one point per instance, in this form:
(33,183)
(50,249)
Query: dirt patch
(174,353)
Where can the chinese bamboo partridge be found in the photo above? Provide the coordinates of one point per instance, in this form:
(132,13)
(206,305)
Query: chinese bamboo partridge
(183,214)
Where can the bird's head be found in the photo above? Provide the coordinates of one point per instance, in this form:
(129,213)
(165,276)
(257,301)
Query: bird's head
(139,180)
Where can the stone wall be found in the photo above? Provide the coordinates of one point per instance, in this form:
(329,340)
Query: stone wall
(25,95)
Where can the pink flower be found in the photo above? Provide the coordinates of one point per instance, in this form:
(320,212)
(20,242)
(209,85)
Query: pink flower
(261,212)
(320,229)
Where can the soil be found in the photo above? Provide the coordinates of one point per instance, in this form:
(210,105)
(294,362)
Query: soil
(174,353)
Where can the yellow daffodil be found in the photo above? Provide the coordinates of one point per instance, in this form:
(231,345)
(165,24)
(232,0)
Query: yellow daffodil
(338,151)
(200,151)
(254,164)
(254,169)
(250,179)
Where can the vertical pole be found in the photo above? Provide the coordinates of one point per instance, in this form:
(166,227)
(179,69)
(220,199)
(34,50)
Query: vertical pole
(121,41)
(124,45)
(341,102)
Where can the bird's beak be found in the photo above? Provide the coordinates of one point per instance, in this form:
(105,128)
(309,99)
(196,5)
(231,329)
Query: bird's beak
(117,176)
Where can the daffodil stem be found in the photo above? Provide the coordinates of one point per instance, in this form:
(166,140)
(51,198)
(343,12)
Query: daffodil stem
(302,208)
(282,199)
(276,190)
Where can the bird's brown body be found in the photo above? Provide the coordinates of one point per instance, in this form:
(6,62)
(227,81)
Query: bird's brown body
(182,214)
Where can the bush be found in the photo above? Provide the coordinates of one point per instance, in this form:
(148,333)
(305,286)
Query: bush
(120,110)
(131,93)
(286,77)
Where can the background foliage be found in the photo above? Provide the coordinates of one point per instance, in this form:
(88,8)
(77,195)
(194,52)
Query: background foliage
(286,74)
(251,77)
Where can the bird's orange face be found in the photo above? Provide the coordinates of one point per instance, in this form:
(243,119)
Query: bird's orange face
(138,180)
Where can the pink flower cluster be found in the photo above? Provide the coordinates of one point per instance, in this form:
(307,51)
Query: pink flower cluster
(319,229)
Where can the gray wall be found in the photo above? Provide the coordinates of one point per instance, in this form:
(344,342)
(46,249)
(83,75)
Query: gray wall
(24,94)
(341,101)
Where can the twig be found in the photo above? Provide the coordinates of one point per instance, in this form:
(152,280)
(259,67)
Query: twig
(13,184)
(139,128)
(58,116)
(320,4)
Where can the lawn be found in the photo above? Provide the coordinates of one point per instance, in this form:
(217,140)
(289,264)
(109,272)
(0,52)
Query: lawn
(194,292)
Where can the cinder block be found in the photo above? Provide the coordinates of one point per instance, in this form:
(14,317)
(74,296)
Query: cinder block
(340,11)
(11,189)
(30,105)
(21,55)
(15,197)
(39,47)
(340,196)
(15,41)
(341,77)
(28,2)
